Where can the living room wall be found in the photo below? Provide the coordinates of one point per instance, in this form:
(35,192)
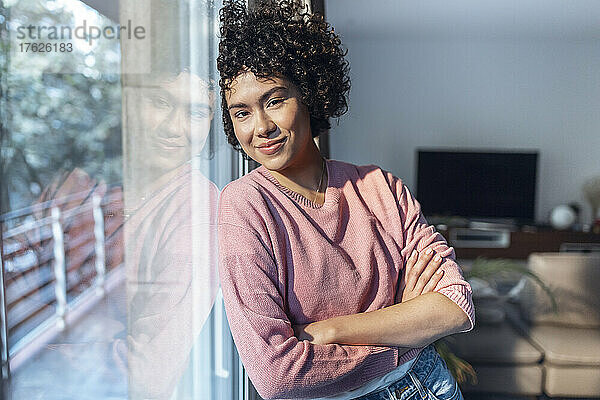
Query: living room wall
(471,88)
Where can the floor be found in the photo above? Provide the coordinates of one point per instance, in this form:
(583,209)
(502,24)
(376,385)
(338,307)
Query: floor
(82,363)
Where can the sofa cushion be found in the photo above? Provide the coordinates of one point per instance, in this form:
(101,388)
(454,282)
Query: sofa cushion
(507,379)
(567,346)
(575,281)
(498,343)
(572,381)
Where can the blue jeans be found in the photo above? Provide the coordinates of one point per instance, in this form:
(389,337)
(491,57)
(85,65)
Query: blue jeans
(427,379)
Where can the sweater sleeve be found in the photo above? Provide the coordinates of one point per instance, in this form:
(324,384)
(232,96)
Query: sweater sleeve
(419,235)
(279,365)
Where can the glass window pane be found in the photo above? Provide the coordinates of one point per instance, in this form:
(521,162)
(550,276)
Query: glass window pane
(112,161)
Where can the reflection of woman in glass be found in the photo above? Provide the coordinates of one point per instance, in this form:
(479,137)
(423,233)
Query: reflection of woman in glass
(170,229)
(170,204)
(324,291)
(172,118)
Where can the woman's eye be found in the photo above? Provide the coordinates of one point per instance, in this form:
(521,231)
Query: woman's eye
(198,114)
(241,114)
(160,102)
(274,102)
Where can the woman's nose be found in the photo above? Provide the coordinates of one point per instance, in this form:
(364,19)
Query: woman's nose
(176,124)
(264,125)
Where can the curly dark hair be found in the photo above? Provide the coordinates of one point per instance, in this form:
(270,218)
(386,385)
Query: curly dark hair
(280,38)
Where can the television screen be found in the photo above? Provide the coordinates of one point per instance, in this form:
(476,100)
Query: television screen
(473,184)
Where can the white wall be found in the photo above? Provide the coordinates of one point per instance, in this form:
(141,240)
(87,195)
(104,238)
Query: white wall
(413,89)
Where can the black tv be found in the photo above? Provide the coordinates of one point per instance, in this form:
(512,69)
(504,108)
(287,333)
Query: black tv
(485,185)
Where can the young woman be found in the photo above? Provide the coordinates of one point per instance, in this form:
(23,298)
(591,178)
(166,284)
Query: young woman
(334,284)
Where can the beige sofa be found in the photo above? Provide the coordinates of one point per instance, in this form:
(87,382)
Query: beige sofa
(535,350)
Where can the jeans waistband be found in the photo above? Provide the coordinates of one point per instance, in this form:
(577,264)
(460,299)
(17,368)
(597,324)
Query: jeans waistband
(421,369)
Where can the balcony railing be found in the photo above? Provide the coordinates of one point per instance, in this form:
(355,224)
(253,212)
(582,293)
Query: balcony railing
(59,257)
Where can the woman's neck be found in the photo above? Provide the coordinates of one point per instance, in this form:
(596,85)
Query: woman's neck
(305,177)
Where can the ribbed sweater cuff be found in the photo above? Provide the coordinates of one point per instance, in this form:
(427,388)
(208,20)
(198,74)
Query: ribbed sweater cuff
(461,295)
(386,360)
(380,361)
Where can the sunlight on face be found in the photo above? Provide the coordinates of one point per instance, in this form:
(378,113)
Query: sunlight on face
(269,119)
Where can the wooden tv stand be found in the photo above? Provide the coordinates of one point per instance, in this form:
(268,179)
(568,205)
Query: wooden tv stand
(523,243)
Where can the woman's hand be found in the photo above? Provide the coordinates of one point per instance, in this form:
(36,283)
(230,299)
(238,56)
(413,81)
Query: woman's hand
(423,273)
(317,332)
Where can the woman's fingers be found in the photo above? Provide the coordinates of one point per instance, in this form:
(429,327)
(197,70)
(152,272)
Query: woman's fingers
(428,273)
(439,274)
(411,279)
(419,262)
(411,276)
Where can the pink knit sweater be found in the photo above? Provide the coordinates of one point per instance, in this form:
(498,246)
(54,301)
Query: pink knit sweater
(285,260)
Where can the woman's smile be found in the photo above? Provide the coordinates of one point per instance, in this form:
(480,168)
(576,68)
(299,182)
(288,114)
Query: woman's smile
(272,146)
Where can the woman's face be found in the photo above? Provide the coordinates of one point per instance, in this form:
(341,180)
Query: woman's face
(176,120)
(270,121)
